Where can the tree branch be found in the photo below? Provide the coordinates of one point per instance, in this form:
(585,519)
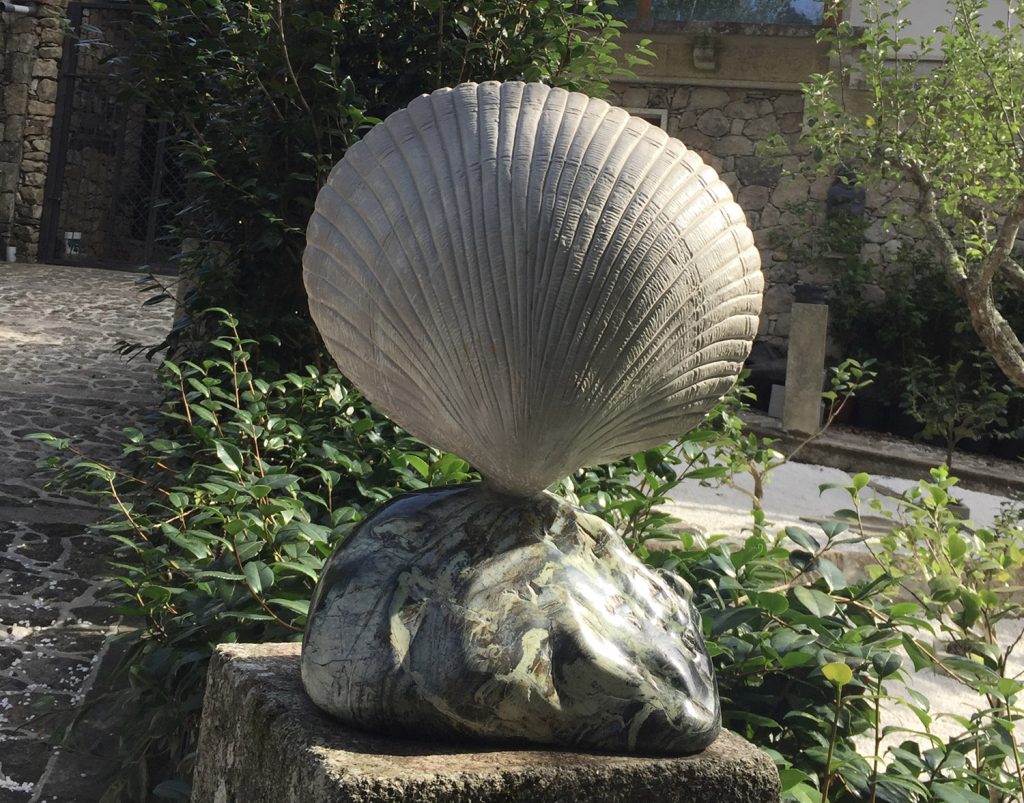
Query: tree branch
(279,19)
(928,208)
(1006,108)
(995,331)
(992,328)
(1005,241)
(1014,272)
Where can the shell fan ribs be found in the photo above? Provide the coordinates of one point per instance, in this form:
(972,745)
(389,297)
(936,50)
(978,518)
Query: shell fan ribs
(532,279)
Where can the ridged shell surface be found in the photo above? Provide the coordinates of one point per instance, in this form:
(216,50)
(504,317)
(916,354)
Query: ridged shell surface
(532,279)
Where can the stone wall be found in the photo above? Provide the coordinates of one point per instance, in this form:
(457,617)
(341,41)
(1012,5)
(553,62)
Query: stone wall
(728,127)
(726,106)
(32,45)
(107,175)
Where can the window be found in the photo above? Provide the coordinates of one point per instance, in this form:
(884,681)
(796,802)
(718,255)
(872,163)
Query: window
(779,12)
(656,117)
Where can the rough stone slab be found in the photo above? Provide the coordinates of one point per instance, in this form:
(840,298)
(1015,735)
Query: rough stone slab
(263,740)
(804,368)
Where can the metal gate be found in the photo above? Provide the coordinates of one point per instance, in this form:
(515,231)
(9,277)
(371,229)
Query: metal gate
(112,183)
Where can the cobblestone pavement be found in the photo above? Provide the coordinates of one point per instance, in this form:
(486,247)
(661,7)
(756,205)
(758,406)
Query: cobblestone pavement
(59,374)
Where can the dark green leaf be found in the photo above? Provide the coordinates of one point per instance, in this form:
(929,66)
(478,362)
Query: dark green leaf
(732,618)
(816,602)
(801,537)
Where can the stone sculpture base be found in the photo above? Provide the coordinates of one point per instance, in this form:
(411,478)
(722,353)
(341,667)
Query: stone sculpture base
(263,741)
(460,613)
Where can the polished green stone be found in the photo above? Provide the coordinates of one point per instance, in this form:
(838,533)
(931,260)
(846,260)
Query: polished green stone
(457,612)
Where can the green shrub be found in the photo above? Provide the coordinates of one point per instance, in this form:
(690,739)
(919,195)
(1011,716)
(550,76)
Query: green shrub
(805,655)
(931,364)
(965,398)
(265,96)
(224,525)
(233,506)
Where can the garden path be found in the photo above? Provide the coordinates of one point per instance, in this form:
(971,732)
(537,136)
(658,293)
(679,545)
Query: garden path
(59,374)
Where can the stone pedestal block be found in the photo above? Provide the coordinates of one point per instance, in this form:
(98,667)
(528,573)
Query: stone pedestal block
(805,368)
(263,740)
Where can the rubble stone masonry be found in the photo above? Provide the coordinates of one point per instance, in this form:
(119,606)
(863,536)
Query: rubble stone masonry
(31,46)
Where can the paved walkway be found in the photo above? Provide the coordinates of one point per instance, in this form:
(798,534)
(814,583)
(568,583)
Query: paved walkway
(59,374)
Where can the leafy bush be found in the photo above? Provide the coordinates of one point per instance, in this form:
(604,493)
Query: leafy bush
(226,521)
(929,113)
(915,317)
(224,525)
(805,655)
(963,399)
(931,364)
(266,96)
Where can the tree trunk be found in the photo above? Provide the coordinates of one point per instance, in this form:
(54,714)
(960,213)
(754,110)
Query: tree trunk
(974,282)
(994,330)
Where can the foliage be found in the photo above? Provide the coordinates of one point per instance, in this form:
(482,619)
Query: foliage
(930,361)
(224,526)
(950,130)
(964,579)
(838,242)
(807,657)
(964,583)
(810,661)
(913,317)
(266,97)
(958,400)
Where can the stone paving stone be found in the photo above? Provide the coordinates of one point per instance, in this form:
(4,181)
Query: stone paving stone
(58,373)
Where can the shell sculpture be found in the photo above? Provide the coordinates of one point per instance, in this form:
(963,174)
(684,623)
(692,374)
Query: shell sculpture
(532,279)
(537,281)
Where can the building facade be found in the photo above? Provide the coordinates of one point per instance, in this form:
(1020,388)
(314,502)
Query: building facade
(31,47)
(84,178)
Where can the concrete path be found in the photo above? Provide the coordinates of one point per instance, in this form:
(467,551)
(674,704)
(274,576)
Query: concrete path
(792,498)
(59,374)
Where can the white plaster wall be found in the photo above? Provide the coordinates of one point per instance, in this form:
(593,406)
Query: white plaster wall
(926,15)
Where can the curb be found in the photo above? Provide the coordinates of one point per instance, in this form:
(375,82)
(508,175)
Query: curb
(856,450)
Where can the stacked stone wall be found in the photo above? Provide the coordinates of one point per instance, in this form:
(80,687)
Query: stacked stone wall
(32,45)
(729,127)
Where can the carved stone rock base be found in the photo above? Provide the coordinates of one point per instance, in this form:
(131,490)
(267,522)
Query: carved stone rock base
(263,741)
(459,612)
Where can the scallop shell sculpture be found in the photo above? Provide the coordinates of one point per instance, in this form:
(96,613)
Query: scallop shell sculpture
(536,281)
(532,279)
